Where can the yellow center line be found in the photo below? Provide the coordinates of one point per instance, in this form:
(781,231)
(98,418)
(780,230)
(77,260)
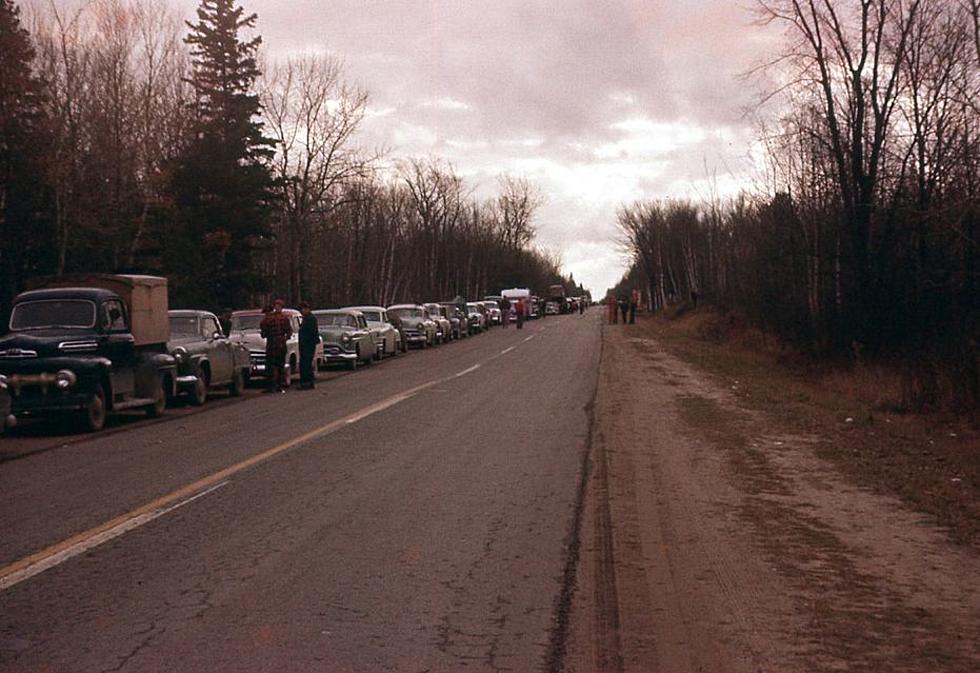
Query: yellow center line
(196,487)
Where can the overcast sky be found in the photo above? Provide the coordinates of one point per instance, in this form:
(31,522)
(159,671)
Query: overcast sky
(599,102)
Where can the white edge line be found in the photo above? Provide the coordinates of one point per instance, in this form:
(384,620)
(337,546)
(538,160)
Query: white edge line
(507,350)
(530,337)
(378,407)
(100,539)
(469,370)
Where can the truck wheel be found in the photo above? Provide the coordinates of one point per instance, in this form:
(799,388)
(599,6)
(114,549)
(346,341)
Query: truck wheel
(159,405)
(93,416)
(237,383)
(199,395)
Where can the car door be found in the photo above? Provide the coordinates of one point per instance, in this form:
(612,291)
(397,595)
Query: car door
(219,350)
(117,344)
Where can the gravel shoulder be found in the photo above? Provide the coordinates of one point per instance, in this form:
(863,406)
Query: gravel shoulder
(723,534)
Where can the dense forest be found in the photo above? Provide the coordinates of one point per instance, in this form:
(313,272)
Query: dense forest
(865,241)
(131,140)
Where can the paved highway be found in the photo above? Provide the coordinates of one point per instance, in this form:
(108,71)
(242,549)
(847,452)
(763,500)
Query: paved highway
(417,515)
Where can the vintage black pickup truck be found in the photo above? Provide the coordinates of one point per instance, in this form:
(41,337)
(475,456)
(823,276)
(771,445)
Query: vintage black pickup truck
(91,344)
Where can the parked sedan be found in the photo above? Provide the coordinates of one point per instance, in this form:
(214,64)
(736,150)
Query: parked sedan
(414,323)
(245,330)
(494,315)
(387,338)
(346,337)
(7,419)
(477,317)
(458,320)
(444,328)
(206,358)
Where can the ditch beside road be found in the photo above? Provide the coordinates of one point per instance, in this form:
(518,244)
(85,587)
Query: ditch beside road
(717,536)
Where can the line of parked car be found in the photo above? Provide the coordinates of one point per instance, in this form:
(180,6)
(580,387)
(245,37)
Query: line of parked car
(95,344)
(351,336)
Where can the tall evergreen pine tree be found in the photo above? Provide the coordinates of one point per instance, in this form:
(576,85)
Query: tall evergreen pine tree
(222,184)
(24,223)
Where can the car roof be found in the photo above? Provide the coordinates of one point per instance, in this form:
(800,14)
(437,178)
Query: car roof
(365,308)
(188,313)
(257,311)
(338,311)
(90,293)
(405,306)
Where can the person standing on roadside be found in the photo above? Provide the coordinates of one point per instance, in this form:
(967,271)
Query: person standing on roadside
(504,305)
(309,337)
(634,302)
(624,307)
(521,311)
(276,330)
(611,307)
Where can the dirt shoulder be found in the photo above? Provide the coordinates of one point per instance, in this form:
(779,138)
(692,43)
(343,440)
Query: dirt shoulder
(930,461)
(728,526)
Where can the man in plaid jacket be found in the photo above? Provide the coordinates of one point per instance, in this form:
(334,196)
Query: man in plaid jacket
(276,329)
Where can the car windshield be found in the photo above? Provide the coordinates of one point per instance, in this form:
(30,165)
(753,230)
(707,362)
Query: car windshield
(183,326)
(406,312)
(334,320)
(65,313)
(372,316)
(246,323)
(472,308)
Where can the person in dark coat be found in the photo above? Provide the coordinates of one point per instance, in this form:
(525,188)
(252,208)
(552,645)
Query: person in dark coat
(309,337)
(504,306)
(624,308)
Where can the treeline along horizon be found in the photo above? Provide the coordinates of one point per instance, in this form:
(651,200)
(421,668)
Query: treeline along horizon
(132,140)
(864,241)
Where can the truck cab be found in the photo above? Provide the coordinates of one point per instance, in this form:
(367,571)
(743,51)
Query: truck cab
(89,344)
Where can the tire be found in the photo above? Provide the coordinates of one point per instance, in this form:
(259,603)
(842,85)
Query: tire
(94,414)
(199,395)
(379,353)
(159,405)
(237,385)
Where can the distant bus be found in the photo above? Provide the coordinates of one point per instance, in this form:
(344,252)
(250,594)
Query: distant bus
(556,291)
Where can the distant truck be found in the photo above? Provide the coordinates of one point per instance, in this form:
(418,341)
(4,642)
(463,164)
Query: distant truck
(556,294)
(89,344)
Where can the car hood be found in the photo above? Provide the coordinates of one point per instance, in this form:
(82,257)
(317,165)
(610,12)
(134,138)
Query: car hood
(251,340)
(335,331)
(413,322)
(183,340)
(43,342)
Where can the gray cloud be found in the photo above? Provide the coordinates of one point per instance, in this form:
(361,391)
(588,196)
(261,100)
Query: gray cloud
(537,86)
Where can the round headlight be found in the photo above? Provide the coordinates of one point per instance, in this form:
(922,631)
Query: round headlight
(180,353)
(65,379)
(3,381)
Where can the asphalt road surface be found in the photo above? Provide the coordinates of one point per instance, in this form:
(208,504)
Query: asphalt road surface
(417,515)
